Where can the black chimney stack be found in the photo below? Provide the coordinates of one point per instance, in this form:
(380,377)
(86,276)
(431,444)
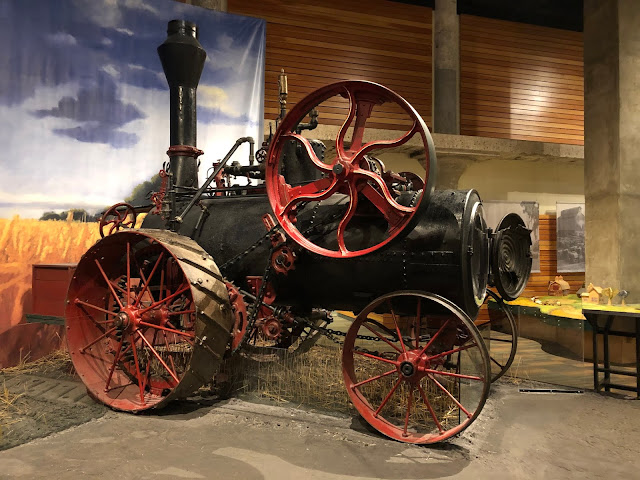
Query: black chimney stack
(182,59)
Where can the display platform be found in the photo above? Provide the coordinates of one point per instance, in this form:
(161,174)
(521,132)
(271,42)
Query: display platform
(556,341)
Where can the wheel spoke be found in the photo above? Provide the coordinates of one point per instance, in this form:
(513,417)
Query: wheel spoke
(384,144)
(406,418)
(430,342)
(364,324)
(95,307)
(148,281)
(451,352)
(113,292)
(164,300)
(381,198)
(138,374)
(386,399)
(439,385)
(166,343)
(363,112)
(116,357)
(496,362)
(395,322)
(377,377)
(380,359)
(128,270)
(353,205)
(302,196)
(430,408)
(450,374)
(82,350)
(146,373)
(157,355)
(176,332)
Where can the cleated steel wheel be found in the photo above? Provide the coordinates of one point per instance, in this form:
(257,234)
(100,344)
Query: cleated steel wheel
(148,319)
(426,382)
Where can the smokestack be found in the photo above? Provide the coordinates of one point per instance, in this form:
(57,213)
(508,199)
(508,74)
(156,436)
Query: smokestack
(182,59)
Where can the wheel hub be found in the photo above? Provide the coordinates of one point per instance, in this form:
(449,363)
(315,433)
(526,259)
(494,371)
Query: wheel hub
(407,369)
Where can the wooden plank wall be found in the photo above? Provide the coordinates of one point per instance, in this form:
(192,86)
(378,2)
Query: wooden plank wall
(318,43)
(520,81)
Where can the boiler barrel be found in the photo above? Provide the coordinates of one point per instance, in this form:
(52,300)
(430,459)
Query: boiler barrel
(445,253)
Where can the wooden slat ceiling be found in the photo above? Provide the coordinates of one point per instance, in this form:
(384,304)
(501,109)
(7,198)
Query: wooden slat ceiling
(318,43)
(520,81)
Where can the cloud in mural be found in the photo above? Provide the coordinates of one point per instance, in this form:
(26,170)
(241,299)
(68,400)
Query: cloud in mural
(82,84)
(105,113)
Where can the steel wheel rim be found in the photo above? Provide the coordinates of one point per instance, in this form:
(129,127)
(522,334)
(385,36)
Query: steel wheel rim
(415,398)
(514,339)
(133,349)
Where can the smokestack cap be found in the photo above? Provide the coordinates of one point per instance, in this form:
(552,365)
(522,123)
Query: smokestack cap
(181,54)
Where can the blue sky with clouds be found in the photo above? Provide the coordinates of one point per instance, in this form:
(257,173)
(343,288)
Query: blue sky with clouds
(84,103)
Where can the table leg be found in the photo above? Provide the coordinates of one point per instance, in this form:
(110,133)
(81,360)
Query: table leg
(593,320)
(605,348)
(638,357)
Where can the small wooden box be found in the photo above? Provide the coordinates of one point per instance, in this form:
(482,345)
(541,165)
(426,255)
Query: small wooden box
(50,283)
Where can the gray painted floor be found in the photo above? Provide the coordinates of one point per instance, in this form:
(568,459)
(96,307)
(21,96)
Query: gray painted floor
(517,436)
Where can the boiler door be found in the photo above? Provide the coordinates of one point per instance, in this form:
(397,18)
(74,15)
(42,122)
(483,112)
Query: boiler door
(511,256)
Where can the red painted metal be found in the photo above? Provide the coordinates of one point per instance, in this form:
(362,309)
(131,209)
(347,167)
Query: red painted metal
(240,316)
(131,323)
(119,216)
(349,173)
(410,370)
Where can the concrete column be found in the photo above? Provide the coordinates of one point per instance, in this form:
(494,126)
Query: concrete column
(612,143)
(446,67)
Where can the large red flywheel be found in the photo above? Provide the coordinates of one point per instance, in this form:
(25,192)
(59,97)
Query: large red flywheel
(148,319)
(353,176)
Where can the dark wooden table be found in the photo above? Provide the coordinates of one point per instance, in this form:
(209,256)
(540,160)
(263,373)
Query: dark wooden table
(607,316)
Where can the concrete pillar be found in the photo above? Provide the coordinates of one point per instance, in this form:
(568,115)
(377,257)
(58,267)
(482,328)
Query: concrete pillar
(446,67)
(612,143)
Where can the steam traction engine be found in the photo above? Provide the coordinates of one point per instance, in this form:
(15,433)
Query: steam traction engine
(223,269)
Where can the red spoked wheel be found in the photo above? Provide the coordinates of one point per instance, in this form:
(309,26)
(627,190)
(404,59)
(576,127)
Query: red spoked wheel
(350,178)
(119,216)
(148,319)
(427,382)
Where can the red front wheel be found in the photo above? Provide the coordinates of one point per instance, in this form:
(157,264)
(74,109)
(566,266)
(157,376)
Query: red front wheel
(147,319)
(428,381)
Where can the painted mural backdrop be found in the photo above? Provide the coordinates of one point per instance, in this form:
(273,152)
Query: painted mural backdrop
(84,119)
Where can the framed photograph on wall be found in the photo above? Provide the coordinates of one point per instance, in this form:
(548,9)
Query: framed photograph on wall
(530,213)
(570,237)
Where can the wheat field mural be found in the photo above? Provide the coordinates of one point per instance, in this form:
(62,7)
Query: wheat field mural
(24,242)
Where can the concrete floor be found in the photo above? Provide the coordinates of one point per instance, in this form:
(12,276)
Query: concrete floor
(517,436)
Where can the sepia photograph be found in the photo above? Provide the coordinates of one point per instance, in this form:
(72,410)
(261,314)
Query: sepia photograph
(570,237)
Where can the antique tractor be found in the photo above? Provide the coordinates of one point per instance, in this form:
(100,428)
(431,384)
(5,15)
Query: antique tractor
(225,269)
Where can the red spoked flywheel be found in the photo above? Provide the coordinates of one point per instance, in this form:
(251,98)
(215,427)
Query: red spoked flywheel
(350,176)
(148,319)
